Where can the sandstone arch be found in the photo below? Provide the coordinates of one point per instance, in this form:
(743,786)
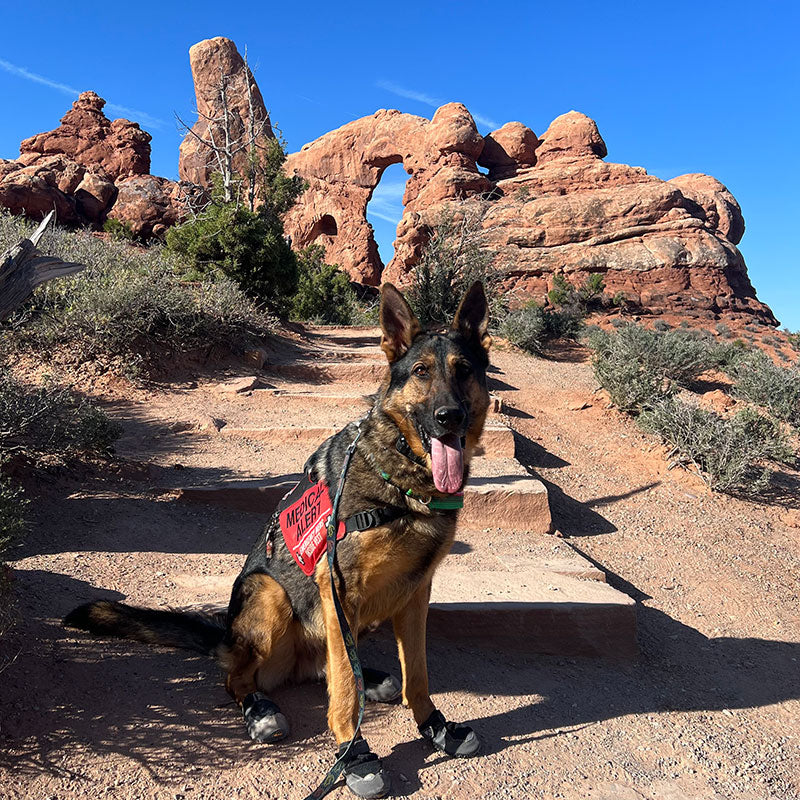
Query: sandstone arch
(344,167)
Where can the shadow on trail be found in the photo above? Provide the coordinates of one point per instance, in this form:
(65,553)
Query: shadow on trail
(168,711)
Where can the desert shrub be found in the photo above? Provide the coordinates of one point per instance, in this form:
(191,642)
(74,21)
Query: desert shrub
(763,383)
(532,326)
(12,517)
(323,292)
(50,420)
(723,330)
(246,246)
(638,366)
(526,328)
(455,256)
(729,453)
(661,326)
(119,230)
(128,305)
(566,295)
(793,339)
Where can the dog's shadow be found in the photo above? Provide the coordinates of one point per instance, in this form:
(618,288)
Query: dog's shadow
(167,710)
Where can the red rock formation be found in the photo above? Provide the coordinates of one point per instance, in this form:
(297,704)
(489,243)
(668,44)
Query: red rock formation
(556,207)
(211,61)
(90,168)
(121,148)
(343,168)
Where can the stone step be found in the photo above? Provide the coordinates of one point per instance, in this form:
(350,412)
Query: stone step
(533,608)
(532,611)
(502,498)
(344,400)
(497,440)
(352,371)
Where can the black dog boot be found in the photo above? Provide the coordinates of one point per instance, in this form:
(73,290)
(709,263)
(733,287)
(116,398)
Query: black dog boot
(263,718)
(381,687)
(459,741)
(363,772)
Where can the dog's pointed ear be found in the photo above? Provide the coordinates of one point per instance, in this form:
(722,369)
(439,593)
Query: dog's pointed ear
(472,318)
(399,326)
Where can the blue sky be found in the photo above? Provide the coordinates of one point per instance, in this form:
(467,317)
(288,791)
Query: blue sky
(675,87)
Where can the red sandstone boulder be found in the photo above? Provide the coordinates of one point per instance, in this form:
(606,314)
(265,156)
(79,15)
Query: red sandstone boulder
(572,135)
(34,192)
(210,60)
(148,204)
(508,149)
(86,136)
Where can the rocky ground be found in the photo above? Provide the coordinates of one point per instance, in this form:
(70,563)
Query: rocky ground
(709,710)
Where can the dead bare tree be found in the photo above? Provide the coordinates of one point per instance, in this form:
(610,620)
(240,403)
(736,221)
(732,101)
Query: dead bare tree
(228,136)
(23,268)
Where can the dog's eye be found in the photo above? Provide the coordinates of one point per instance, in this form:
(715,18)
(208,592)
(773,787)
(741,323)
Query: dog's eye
(421,371)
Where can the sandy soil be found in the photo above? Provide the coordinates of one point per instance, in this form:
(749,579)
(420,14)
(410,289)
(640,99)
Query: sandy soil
(709,710)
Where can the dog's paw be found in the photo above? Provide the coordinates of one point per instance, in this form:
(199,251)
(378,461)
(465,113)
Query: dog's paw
(381,687)
(458,741)
(363,772)
(264,720)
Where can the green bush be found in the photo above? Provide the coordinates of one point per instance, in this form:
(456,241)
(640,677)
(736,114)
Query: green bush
(323,292)
(127,307)
(730,454)
(455,256)
(638,366)
(246,246)
(120,231)
(763,383)
(565,294)
(246,241)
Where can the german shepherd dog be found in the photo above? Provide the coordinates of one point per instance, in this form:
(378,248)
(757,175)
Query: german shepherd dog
(412,454)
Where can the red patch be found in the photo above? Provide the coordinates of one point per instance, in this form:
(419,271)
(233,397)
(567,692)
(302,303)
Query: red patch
(303,517)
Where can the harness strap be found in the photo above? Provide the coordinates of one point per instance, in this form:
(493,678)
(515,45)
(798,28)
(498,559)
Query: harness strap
(373,518)
(347,635)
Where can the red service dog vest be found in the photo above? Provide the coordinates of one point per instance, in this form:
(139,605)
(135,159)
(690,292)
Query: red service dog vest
(303,516)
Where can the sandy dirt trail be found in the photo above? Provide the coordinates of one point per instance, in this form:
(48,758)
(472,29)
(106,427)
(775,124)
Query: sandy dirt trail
(709,710)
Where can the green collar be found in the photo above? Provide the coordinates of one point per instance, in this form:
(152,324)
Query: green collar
(451,503)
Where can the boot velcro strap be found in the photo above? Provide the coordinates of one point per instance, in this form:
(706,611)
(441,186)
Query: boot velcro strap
(446,736)
(361,760)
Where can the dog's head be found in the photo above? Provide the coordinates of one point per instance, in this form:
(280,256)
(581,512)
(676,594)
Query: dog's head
(437,392)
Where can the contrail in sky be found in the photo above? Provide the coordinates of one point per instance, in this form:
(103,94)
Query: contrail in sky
(433,102)
(132,113)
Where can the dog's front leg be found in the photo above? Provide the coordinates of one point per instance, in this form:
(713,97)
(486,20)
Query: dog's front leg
(409,629)
(410,625)
(342,694)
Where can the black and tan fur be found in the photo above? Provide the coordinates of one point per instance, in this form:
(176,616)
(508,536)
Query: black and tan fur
(282,625)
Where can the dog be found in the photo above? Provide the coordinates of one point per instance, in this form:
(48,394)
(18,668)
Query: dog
(405,464)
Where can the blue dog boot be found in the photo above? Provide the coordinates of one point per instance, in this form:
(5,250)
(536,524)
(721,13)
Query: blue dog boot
(363,772)
(264,720)
(458,741)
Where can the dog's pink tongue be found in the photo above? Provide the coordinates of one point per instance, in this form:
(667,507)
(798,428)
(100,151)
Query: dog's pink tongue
(447,460)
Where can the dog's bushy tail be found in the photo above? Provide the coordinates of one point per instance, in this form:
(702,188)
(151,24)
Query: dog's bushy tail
(182,629)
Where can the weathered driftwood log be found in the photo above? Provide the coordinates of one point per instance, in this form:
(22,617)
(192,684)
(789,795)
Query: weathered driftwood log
(22,269)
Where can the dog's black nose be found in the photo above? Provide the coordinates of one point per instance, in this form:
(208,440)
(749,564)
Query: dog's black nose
(449,415)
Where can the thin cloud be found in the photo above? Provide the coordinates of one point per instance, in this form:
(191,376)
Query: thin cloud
(21,72)
(428,100)
(410,94)
(486,121)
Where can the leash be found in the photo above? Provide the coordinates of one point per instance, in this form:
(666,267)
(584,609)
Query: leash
(347,635)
